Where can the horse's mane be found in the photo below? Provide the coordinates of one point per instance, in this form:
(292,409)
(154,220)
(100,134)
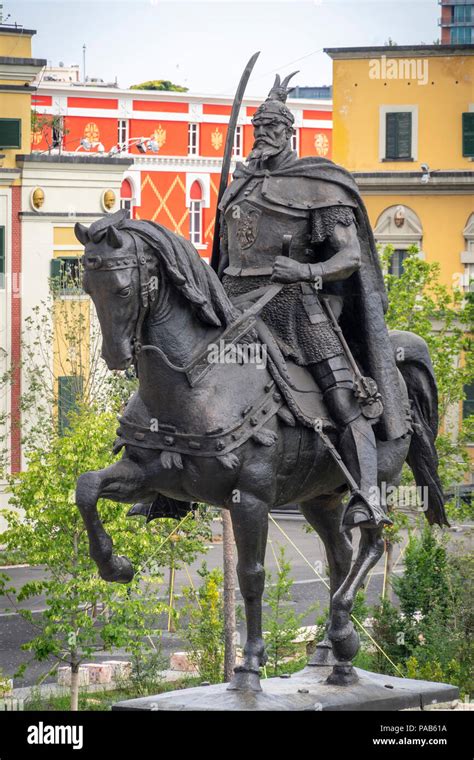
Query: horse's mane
(195,279)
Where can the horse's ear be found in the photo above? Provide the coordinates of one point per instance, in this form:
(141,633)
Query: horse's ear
(115,238)
(82,233)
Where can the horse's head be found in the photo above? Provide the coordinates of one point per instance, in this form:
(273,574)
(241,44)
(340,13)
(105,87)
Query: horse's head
(116,275)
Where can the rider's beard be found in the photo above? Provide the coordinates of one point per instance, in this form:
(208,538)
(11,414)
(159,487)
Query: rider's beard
(264,149)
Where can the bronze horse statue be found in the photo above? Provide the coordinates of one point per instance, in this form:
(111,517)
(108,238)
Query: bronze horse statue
(223,433)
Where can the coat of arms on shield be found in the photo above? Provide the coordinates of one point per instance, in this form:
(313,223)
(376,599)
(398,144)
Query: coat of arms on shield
(247,227)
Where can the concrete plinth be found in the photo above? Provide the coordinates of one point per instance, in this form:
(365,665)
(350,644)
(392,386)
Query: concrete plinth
(306,690)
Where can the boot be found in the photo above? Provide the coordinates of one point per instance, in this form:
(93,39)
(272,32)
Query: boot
(358,450)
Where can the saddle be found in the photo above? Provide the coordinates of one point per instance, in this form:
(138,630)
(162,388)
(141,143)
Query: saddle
(296,384)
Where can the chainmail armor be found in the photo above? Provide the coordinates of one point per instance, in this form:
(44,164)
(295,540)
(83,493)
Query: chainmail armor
(297,337)
(323,221)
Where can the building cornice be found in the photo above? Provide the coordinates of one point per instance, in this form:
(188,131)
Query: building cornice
(60,215)
(73,158)
(17,88)
(7,29)
(20,68)
(400,51)
(410,183)
(8,176)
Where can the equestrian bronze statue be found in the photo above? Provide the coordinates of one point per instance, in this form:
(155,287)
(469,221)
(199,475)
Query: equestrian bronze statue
(334,410)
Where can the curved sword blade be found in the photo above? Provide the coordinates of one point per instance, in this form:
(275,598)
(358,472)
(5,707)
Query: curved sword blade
(229,143)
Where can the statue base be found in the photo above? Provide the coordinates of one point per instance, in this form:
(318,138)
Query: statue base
(306,690)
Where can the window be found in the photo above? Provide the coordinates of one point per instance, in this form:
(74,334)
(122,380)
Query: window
(467,256)
(57,131)
(195,214)
(66,273)
(10,133)
(237,149)
(461,13)
(193,139)
(468,279)
(122,132)
(461,35)
(2,258)
(468,134)
(126,197)
(468,403)
(398,136)
(396,262)
(294,141)
(70,388)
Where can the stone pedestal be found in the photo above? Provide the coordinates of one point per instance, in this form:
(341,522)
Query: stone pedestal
(306,690)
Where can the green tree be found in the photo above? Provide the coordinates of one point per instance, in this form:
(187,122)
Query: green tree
(431,635)
(159,84)
(83,614)
(281,623)
(204,627)
(443,317)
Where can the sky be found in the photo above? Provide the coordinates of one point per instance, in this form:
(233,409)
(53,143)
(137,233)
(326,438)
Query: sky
(205,45)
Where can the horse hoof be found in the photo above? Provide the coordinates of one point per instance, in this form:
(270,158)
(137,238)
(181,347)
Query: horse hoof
(343,674)
(118,570)
(345,649)
(245,680)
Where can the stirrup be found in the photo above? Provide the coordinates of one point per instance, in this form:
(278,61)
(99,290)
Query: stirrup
(360,513)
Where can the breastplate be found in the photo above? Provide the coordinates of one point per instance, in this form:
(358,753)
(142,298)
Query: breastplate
(255,229)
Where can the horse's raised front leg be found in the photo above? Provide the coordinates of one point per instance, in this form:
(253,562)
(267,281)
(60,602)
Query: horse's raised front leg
(341,632)
(324,514)
(122,481)
(250,524)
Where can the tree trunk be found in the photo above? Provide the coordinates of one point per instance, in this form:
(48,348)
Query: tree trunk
(387,584)
(229,596)
(74,687)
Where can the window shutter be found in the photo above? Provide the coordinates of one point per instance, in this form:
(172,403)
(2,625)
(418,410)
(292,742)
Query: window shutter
(404,135)
(468,134)
(10,133)
(398,135)
(391,136)
(55,268)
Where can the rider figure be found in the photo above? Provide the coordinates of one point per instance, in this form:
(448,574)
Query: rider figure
(276,194)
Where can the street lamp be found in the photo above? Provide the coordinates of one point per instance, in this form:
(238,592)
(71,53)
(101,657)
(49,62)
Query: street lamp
(143,144)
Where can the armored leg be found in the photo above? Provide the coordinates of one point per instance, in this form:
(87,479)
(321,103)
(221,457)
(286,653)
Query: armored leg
(357,444)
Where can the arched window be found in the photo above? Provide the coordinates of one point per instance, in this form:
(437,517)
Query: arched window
(195,213)
(126,197)
(400,227)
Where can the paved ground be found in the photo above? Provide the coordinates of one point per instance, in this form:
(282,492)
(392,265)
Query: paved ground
(308,588)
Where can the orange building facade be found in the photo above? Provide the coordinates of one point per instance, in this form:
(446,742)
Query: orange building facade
(176,140)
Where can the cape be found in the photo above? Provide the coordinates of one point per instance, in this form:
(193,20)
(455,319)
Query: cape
(365,296)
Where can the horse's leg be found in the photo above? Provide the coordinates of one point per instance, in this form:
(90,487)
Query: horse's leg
(250,524)
(324,514)
(341,632)
(121,481)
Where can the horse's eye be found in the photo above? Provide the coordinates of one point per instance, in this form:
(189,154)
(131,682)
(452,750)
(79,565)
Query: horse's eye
(125,292)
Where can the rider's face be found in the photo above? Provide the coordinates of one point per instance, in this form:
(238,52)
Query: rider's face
(271,135)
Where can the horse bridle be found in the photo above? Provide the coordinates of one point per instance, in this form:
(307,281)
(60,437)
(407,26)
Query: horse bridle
(147,289)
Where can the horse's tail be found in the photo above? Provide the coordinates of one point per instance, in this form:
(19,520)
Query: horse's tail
(414,362)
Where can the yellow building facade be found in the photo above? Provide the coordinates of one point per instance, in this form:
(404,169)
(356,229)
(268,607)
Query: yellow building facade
(403,123)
